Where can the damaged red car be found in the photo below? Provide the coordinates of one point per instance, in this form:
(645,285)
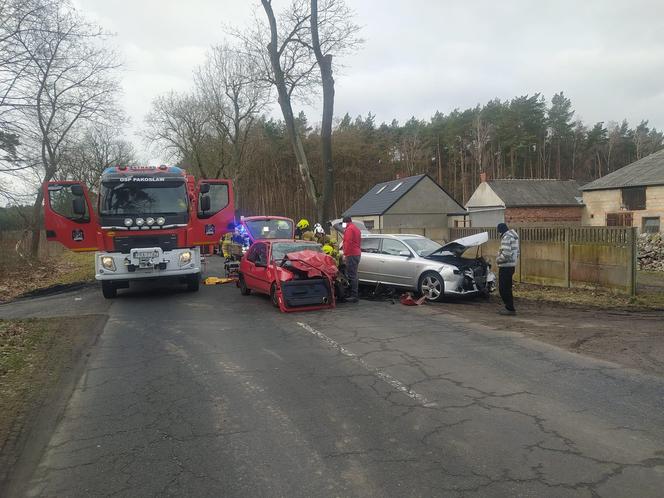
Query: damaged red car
(297,275)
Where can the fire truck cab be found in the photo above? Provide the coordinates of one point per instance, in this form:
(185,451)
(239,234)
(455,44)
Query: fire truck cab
(150,222)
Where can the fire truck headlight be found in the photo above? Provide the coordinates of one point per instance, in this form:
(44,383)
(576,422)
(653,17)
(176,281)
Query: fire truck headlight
(185,258)
(161,220)
(149,221)
(140,222)
(128,222)
(108,263)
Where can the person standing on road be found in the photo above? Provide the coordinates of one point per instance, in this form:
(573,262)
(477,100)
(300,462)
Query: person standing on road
(352,253)
(506,261)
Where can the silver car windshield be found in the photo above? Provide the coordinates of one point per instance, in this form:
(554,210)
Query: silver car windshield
(423,246)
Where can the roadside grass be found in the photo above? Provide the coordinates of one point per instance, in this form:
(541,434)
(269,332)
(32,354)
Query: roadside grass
(590,298)
(26,348)
(37,355)
(31,275)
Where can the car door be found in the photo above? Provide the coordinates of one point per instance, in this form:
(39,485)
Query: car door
(367,271)
(396,263)
(68,216)
(214,212)
(261,276)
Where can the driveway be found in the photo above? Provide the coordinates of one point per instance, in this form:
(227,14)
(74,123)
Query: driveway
(217,394)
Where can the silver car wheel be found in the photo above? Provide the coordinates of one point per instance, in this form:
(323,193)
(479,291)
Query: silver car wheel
(431,288)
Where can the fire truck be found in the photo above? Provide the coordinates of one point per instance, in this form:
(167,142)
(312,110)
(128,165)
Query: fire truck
(150,223)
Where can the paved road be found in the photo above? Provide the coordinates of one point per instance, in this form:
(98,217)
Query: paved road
(216,394)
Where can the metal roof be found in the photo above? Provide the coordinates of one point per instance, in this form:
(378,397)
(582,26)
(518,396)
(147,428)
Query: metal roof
(537,192)
(648,170)
(382,196)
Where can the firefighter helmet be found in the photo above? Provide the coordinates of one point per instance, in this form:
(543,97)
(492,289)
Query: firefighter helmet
(302,224)
(328,249)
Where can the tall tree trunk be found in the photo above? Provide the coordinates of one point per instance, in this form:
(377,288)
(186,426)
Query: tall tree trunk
(287,109)
(325,66)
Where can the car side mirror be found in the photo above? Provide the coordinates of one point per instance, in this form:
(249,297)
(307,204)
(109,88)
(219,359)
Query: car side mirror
(78,206)
(205,203)
(204,188)
(405,254)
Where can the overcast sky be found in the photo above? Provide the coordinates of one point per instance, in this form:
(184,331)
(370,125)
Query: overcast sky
(425,55)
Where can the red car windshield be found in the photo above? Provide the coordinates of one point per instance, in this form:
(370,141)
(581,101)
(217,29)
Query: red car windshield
(269,229)
(280,249)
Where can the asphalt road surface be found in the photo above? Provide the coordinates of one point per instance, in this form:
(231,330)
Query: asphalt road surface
(218,394)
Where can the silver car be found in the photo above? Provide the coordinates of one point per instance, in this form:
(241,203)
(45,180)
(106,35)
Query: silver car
(417,263)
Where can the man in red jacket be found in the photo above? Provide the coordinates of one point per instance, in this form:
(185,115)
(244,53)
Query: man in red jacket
(352,252)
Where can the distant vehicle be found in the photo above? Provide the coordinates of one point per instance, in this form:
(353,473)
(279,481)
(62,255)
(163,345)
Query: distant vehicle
(149,224)
(417,263)
(297,275)
(268,227)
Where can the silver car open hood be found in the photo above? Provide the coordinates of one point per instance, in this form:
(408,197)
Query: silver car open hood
(459,246)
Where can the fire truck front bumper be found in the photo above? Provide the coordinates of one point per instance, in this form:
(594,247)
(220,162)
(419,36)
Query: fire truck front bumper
(147,262)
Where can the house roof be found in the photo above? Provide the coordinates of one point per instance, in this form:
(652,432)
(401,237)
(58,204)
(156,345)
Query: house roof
(648,170)
(383,196)
(537,192)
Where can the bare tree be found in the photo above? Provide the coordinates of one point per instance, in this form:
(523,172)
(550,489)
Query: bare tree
(95,150)
(284,49)
(331,30)
(231,88)
(180,123)
(66,78)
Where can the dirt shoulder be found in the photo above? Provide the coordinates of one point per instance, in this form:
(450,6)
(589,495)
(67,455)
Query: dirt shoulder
(27,277)
(40,362)
(615,328)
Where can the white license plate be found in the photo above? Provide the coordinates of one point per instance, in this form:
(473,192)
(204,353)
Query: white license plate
(145,254)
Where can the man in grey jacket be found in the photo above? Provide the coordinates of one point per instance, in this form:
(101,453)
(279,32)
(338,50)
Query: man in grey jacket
(506,260)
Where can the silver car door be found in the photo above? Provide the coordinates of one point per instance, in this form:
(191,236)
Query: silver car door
(397,263)
(370,260)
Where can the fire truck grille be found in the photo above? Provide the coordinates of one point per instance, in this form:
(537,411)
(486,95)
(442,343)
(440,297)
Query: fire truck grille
(126,244)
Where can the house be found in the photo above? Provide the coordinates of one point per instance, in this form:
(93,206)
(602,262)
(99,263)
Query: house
(631,196)
(521,202)
(411,202)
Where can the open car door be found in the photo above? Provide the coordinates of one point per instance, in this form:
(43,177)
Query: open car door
(68,216)
(215,212)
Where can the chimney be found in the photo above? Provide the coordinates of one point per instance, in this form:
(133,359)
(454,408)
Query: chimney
(483,176)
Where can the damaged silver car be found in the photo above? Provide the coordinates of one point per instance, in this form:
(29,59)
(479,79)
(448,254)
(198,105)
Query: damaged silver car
(417,263)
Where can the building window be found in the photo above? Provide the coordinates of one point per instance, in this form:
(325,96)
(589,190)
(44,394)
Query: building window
(634,198)
(650,225)
(381,189)
(369,224)
(618,219)
(399,185)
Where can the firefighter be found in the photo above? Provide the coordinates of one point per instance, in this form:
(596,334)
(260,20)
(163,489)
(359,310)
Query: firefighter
(319,233)
(301,227)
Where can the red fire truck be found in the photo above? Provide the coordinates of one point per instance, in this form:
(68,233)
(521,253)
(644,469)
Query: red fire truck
(150,223)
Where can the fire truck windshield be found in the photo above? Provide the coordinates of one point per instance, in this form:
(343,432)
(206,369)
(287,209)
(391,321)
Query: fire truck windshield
(142,198)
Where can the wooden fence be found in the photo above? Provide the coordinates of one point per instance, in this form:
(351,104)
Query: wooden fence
(569,256)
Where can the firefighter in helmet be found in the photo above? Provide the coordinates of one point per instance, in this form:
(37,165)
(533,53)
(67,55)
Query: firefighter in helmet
(301,227)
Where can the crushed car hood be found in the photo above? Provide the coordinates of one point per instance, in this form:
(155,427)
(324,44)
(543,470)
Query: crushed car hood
(313,263)
(459,246)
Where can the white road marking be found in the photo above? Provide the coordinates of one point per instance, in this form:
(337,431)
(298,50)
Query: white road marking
(384,376)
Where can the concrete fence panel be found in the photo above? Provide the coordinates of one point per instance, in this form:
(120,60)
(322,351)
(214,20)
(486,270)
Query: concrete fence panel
(570,256)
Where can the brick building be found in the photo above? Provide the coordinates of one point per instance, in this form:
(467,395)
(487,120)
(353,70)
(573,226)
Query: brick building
(630,196)
(525,202)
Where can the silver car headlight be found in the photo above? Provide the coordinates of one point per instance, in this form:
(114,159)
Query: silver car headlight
(108,263)
(185,258)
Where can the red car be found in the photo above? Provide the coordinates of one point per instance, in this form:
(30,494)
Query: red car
(296,275)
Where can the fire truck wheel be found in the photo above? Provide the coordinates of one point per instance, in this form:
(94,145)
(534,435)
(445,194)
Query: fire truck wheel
(193,282)
(244,290)
(108,289)
(273,295)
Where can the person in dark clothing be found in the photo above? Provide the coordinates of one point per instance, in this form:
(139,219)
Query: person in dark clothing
(352,252)
(506,261)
